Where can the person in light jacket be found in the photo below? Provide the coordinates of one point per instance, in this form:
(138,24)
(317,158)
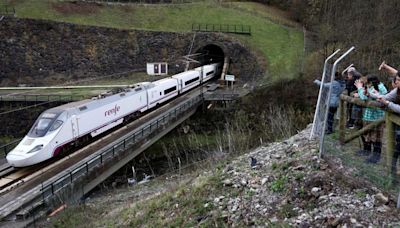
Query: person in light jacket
(373,138)
(338,87)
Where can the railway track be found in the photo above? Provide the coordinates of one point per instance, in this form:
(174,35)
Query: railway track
(11,177)
(5,169)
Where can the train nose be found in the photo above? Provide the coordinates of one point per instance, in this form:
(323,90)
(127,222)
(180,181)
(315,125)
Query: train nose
(15,160)
(23,156)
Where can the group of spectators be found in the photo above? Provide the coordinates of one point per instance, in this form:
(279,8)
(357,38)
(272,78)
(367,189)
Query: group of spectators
(366,87)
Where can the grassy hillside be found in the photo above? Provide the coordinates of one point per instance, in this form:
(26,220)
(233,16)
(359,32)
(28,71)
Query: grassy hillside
(275,39)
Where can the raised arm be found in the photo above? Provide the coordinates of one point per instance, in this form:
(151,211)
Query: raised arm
(390,70)
(388,100)
(394,107)
(325,85)
(391,96)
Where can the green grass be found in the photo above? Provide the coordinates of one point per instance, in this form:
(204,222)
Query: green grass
(167,210)
(279,185)
(273,14)
(188,204)
(280,47)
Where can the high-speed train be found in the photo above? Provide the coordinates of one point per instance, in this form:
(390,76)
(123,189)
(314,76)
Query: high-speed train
(60,128)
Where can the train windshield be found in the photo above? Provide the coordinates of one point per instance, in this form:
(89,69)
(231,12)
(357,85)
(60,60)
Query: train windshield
(42,124)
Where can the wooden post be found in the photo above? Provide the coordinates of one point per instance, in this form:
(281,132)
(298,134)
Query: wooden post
(342,121)
(389,140)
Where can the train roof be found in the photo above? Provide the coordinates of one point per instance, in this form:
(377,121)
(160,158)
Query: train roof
(163,80)
(185,73)
(70,105)
(90,104)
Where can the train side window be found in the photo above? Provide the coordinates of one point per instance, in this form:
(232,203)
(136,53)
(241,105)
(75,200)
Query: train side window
(211,72)
(56,125)
(138,89)
(191,81)
(82,108)
(160,93)
(172,89)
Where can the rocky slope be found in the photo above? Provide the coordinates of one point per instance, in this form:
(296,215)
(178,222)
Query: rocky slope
(293,186)
(282,184)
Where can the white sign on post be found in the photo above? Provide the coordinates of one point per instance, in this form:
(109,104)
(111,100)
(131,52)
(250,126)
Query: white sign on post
(230,77)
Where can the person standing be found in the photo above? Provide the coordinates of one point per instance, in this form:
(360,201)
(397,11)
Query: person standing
(392,102)
(373,138)
(353,110)
(337,89)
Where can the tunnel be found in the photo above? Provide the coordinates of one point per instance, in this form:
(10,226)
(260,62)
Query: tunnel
(211,53)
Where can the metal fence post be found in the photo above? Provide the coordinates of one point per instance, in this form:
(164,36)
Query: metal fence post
(320,92)
(333,71)
(342,120)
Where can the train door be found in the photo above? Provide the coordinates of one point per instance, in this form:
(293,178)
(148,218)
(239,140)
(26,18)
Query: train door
(154,94)
(180,86)
(75,127)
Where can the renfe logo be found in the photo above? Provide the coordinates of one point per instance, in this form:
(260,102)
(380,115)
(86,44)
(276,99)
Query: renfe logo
(112,111)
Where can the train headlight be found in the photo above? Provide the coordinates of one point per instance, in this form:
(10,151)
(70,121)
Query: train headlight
(36,148)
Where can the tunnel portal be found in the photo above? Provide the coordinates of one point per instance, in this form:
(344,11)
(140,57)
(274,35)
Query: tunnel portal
(211,53)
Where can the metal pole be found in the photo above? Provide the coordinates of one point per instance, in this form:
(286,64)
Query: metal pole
(398,201)
(320,92)
(329,94)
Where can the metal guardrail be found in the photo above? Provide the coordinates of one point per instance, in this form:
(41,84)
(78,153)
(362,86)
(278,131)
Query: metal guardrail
(237,29)
(9,146)
(114,150)
(221,96)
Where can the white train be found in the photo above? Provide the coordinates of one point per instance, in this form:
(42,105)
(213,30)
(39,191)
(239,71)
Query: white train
(59,128)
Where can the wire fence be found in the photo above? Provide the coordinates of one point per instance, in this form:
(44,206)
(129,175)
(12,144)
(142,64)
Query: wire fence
(370,149)
(365,134)
(225,28)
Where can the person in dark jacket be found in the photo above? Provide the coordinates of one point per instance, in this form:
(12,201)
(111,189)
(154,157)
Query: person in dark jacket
(353,111)
(338,87)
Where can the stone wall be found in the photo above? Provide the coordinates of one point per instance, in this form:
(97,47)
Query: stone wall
(38,52)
